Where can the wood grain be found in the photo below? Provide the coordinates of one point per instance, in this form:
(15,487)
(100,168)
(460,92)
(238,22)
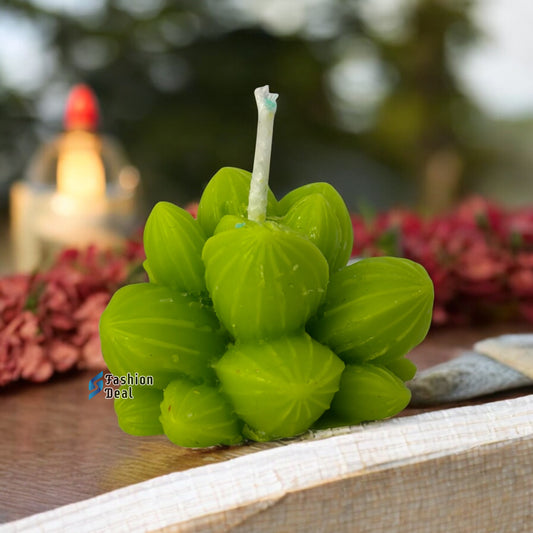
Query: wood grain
(59,447)
(436,495)
(465,469)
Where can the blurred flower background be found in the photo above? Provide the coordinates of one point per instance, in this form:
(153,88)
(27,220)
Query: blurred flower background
(394,102)
(421,110)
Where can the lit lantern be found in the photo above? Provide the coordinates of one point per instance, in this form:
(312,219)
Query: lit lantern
(79,190)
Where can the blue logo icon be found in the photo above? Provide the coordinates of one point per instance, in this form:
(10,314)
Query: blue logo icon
(96,384)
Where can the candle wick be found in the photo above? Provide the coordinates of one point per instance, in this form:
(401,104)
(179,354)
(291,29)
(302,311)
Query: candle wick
(266,109)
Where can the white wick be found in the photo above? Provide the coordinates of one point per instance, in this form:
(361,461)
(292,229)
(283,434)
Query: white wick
(266,109)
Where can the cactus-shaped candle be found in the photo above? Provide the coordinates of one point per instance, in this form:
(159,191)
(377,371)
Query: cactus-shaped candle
(252,324)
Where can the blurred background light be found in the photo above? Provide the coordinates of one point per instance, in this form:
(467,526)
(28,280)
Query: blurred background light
(497,71)
(377,96)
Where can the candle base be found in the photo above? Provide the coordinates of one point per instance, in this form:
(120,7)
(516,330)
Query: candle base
(43,223)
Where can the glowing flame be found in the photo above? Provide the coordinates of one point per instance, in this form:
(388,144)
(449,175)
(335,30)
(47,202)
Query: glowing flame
(80,170)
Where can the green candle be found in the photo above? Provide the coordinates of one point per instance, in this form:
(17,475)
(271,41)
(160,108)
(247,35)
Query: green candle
(264,279)
(377,308)
(279,387)
(157,331)
(252,324)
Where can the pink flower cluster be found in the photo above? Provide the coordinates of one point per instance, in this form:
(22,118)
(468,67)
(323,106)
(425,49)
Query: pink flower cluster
(479,256)
(49,320)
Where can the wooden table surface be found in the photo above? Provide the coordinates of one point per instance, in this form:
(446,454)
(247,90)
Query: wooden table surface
(59,447)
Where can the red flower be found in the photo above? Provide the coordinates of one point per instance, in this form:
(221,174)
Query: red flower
(49,321)
(479,257)
(519,228)
(192,208)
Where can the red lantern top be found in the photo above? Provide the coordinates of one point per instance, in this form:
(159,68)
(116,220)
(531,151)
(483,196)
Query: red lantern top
(82,109)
